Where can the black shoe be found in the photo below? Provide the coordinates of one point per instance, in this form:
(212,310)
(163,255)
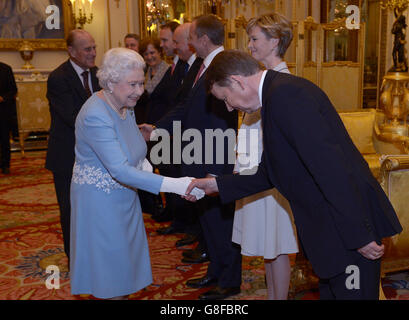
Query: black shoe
(168,230)
(5,170)
(187,252)
(203,282)
(219,293)
(186,240)
(165,216)
(196,257)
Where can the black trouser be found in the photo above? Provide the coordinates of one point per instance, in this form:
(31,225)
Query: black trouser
(339,287)
(62,184)
(225,257)
(5,141)
(188,215)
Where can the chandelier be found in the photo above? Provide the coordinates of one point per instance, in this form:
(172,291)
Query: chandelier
(238,2)
(400,5)
(81,12)
(157,13)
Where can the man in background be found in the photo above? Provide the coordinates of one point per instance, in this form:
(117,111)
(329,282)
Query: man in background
(132,41)
(68,87)
(161,101)
(8,92)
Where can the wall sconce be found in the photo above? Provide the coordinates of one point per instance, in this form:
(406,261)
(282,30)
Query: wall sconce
(80,14)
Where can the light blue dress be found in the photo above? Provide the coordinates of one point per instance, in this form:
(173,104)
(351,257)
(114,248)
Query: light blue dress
(109,249)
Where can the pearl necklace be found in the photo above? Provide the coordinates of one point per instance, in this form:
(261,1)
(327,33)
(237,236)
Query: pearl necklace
(122,114)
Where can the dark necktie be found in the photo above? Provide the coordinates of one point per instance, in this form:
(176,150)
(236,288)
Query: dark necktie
(186,68)
(86,84)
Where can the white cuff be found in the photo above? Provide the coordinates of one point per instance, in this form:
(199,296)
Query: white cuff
(146,166)
(154,135)
(175,185)
(179,186)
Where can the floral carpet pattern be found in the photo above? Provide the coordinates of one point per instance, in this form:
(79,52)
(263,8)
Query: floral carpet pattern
(31,241)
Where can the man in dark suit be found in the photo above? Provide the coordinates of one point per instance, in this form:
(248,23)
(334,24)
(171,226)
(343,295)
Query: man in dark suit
(182,219)
(159,102)
(184,216)
(68,87)
(8,92)
(340,211)
(201,111)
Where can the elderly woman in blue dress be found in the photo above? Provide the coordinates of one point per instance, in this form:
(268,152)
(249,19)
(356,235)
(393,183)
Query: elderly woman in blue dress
(110,255)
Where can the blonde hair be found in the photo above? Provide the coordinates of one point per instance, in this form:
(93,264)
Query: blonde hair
(274,25)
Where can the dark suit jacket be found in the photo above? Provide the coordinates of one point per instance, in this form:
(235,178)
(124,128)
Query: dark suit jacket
(66,95)
(200,110)
(309,157)
(188,81)
(162,98)
(8,90)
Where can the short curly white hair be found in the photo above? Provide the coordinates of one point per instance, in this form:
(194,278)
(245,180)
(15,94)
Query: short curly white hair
(116,63)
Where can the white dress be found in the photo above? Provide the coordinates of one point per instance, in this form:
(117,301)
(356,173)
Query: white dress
(262,222)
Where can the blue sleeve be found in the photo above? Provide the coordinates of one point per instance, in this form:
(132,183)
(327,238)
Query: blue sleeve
(99,132)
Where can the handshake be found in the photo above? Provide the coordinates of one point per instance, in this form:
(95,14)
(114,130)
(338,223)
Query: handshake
(189,188)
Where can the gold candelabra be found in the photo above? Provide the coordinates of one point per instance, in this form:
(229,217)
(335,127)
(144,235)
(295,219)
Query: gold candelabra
(79,12)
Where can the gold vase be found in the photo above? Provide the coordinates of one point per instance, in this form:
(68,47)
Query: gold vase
(26,53)
(394,103)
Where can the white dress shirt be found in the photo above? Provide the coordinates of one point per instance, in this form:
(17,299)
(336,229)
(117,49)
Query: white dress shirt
(79,71)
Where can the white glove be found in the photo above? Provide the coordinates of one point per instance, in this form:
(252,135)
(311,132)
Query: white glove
(146,166)
(179,186)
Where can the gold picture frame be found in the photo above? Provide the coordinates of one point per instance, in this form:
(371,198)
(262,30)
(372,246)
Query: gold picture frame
(44,43)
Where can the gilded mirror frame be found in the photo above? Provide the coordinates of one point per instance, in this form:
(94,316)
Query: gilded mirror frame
(44,44)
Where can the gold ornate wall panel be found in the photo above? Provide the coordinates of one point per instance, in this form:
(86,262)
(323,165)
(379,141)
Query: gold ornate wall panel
(341,84)
(341,64)
(310,73)
(241,37)
(32,107)
(310,56)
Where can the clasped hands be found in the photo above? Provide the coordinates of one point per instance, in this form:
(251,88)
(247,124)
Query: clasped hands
(180,186)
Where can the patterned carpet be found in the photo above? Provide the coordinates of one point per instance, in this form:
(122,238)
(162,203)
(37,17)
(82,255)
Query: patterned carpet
(31,240)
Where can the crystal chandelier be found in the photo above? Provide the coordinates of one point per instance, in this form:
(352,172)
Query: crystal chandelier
(400,5)
(238,2)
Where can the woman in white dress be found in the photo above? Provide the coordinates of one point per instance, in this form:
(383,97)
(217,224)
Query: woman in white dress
(262,222)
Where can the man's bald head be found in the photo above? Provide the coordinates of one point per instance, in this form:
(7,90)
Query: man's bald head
(81,48)
(180,37)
